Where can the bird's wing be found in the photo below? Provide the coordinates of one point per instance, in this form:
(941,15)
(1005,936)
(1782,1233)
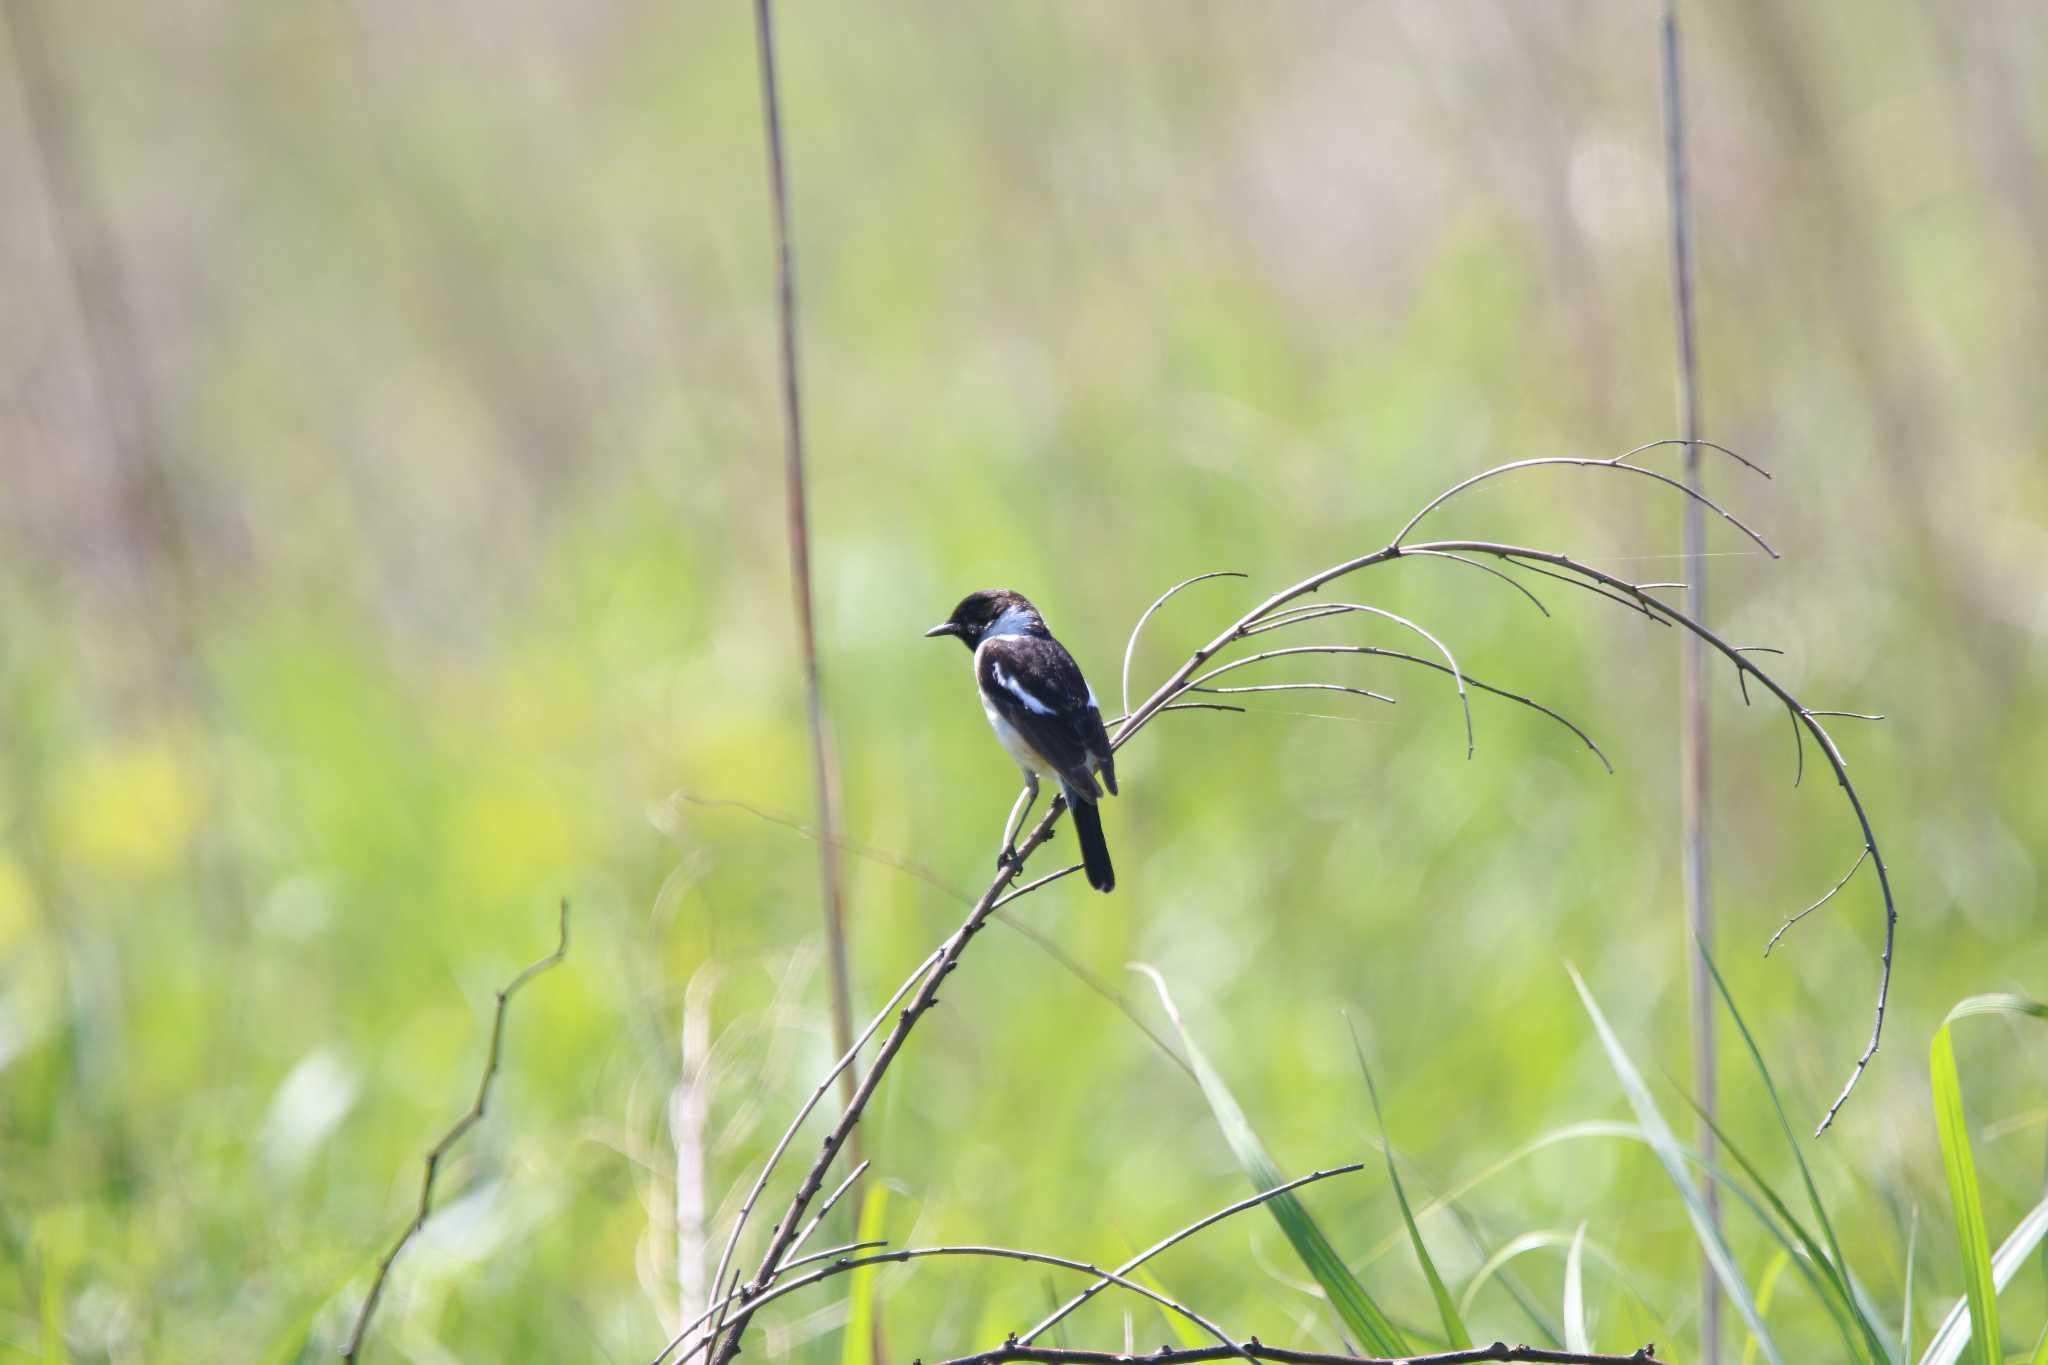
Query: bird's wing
(1036,686)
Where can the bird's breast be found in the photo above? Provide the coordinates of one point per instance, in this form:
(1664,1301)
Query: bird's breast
(1014,743)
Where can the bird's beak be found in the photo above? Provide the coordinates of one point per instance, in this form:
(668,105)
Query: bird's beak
(943,628)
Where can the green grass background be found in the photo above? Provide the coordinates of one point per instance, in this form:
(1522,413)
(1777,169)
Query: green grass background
(447,556)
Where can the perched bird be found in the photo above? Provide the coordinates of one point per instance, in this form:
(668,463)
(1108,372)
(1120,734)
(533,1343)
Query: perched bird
(1044,713)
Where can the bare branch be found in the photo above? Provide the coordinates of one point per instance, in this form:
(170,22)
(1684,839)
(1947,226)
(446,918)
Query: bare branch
(1802,719)
(869,852)
(1030,887)
(1301,687)
(1167,1355)
(819,1217)
(1506,578)
(939,967)
(1457,676)
(1190,1230)
(1618,462)
(1294,616)
(1131,646)
(1281,608)
(1405,657)
(1228,1345)
(739,1223)
(1593,588)
(1865,853)
(353,1347)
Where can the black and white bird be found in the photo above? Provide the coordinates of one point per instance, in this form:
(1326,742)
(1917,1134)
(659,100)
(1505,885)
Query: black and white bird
(1045,714)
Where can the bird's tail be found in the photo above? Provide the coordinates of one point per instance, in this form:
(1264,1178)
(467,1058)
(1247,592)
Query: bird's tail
(1094,849)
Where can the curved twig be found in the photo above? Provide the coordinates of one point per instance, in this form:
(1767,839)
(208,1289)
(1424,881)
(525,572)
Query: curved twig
(1405,657)
(1802,719)
(818,1219)
(1294,616)
(1457,675)
(354,1345)
(1593,588)
(1190,1230)
(1300,687)
(1229,1345)
(739,1222)
(1618,462)
(1131,646)
(1819,903)
(1517,584)
(1282,1355)
(1030,887)
(1277,609)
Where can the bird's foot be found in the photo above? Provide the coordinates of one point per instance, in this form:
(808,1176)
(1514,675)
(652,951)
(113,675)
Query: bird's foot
(1009,858)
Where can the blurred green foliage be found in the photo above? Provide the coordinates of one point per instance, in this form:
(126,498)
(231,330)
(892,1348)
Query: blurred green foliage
(417,553)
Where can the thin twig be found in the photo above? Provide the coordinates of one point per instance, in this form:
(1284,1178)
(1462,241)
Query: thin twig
(353,1347)
(889,858)
(1131,645)
(1190,1230)
(1619,462)
(1258,1350)
(1804,721)
(1593,588)
(947,957)
(1301,687)
(1506,578)
(1030,887)
(1171,693)
(1406,657)
(869,852)
(1860,857)
(1609,584)
(818,1093)
(1228,1345)
(1457,675)
(819,1217)
(1294,616)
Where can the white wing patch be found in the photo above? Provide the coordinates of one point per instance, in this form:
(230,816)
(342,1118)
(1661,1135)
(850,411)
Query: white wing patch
(1016,689)
(1092,704)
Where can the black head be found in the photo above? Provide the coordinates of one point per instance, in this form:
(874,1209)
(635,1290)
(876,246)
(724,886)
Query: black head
(993,611)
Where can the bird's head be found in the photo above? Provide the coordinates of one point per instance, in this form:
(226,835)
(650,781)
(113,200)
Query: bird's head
(993,611)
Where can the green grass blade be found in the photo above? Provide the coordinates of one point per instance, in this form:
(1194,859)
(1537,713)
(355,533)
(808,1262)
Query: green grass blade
(1357,1309)
(1766,1293)
(857,1346)
(1666,1146)
(1961,1168)
(1550,1239)
(1508,1251)
(1576,1337)
(1814,1266)
(1954,1332)
(1836,1262)
(1979,1284)
(1906,1309)
(1183,1331)
(1446,1309)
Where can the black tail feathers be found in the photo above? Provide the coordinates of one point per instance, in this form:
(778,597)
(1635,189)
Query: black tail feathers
(1094,849)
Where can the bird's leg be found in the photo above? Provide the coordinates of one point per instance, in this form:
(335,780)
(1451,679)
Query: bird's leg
(1025,801)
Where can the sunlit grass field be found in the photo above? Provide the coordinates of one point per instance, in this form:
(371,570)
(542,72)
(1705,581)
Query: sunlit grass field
(417,559)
